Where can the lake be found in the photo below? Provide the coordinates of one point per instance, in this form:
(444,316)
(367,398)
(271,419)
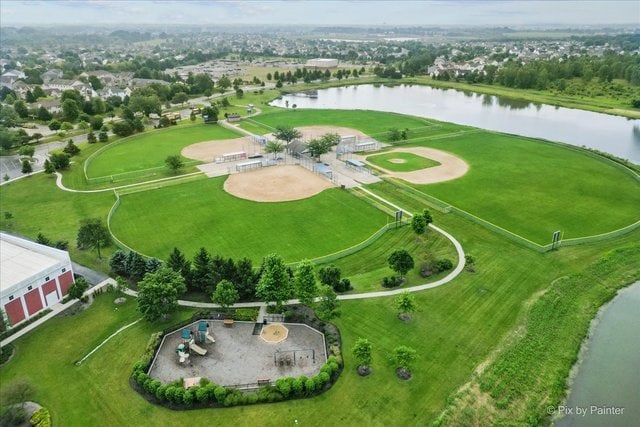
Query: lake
(612,134)
(608,374)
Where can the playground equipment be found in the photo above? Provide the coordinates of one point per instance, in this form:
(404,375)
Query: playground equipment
(187,339)
(182,353)
(203,333)
(196,348)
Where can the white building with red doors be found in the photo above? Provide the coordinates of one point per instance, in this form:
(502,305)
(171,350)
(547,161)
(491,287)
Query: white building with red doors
(32,277)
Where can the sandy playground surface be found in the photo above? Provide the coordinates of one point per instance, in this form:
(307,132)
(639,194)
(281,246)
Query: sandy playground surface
(451,167)
(207,151)
(276,184)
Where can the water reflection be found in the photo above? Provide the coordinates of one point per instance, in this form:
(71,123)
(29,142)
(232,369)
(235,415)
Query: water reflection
(611,134)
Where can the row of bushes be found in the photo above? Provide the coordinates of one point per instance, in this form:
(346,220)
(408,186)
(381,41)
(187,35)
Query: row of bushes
(208,394)
(24,324)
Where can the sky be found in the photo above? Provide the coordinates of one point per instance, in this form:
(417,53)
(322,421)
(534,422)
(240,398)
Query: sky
(317,12)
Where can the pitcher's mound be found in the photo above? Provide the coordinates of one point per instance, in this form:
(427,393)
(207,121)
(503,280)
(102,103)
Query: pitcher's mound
(276,184)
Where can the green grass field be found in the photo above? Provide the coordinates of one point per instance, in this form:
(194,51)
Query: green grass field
(401,162)
(456,328)
(201,213)
(150,149)
(367,268)
(373,123)
(534,188)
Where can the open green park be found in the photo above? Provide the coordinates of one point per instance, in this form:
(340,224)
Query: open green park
(528,187)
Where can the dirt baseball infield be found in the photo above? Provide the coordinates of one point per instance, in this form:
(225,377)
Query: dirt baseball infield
(276,184)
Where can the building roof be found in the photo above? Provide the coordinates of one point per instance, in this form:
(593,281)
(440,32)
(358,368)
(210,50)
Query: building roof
(22,259)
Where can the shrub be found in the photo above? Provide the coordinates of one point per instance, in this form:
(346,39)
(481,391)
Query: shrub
(178,395)
(201,394)
(170,393)
(283,386)
(298,385)
(161,392)
(189,397)
(344,285)
(324,377)
(41,418)
(220,393)
(391,282)
(153,386)
(443,265)
(309,386)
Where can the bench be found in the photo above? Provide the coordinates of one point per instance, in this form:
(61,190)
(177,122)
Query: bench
(228,322)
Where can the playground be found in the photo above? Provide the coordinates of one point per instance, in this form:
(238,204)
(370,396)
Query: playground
(243,353)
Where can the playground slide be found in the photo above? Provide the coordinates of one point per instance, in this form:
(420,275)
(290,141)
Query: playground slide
(195,347)
(210,338)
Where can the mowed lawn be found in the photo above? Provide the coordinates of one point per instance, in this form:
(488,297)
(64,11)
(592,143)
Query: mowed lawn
(150,149)
(534,188)
(372,123)
(202,214)
(456,327)
(402,162)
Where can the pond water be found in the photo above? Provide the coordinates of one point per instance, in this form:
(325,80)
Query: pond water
(608,376)
(613,134)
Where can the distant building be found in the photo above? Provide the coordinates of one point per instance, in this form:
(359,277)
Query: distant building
(322,63)
(233,117)
(53,74)
(33,277)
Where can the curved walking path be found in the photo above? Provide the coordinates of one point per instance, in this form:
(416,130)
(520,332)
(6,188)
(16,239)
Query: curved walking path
(102,190)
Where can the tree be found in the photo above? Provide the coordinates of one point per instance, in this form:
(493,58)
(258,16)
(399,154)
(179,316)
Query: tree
(93,234)
(27,151)
(21,109)
(286,134)
(418,224)
(201,275)
(401,262)
(274,285)
(273,147)
(70,110)
(103,136)
(394,135)
(180,264)
(97,122)
(136,266)
(239,93)
(180,98)
(304,281)
(43,114)
(405,303)
(91,138)
(318,147)
(279,84)
(269,76)
(48,167)
(54,125)
(123,128)
(71,149)
(362,353)
(174,163)
(210,114)
(469,263)
(158,293)
(224,83)
(146,104)
(245,279)
(225,294)
(404,357)
(118,263)
(77,289)
(328,305)
(26,167)
(95,83)
(37,137)
(428,219)
(153,265)
(59,160)
(330,276)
